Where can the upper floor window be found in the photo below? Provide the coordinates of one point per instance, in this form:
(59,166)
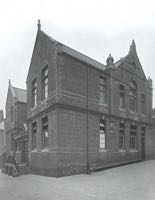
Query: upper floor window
(133,96)
(34,135)
(45,82)
(133,137)
(143,103)
(12,142)
(11,113)
(122,96)
(102,134)
(143,130)
(122,136)
(45,132)
(34,92)
(102,90)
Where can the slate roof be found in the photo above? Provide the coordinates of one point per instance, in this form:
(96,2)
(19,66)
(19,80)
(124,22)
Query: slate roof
(117,63)
(18,93)
(77,54)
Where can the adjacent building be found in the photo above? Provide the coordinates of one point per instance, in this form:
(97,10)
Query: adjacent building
(2,139)
(15,124)
(151,154)
(84,115)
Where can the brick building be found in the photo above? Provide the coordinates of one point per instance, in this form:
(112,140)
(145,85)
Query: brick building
(15,124)
(151,154)
(82,114)
(2,138)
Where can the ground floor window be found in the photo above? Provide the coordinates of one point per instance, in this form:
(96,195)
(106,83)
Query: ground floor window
(122,136)
(102,134)
(143,131)
(45,132)
(133,137)
(18,145)
(34,135)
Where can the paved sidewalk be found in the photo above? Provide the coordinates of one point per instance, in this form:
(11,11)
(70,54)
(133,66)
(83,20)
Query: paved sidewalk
(130,182)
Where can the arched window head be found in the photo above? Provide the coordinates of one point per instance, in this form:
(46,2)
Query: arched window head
(133,88)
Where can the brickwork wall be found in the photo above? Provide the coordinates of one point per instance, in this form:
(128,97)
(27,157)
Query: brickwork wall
(44,53)
(150,141)
(16,126)
(66,108)
(44,161)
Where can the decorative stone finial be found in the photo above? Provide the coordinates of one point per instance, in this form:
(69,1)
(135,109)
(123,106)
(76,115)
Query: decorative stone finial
(110,62)
(150,81)
(39,24)
(132,47)
(9,81)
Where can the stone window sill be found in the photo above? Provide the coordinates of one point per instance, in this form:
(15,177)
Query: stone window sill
(45,150)
(132,112)
(121,150)
(133,150)
(34,150)
(102,104)
(122,109)
(102,150)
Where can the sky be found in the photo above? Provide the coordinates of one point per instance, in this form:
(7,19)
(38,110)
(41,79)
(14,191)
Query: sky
(95,28)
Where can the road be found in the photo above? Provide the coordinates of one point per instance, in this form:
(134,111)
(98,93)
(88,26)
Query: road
(130,182)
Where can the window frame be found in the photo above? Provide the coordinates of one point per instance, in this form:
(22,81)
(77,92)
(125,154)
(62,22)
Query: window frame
(122,136)
(44,83)
(102,134)
(34,92)
(133,137)
(102,90)
(122,96)
(34,136)
(133,94)
(11,114)
(143,104)
(45,133)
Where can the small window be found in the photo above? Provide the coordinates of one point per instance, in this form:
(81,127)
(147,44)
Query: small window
(102,90)
(143,131)
(143,103)
(133,96)
(11,113)
(122,136)
(12,142)
(34,135)
(45,83)
(34,92)
(122,96)
(111,127)
(102,134)
(45,132)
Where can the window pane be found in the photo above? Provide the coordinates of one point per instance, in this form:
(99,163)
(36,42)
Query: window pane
(45,83)
(34,93)
(102,136)
(102,90)
(45,132)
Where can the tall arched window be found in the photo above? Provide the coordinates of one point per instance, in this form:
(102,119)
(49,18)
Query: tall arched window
(102,90)
(133,96)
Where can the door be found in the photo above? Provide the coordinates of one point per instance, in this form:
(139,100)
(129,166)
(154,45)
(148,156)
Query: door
(24,151)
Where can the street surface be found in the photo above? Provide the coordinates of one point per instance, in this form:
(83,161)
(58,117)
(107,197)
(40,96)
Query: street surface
(131,182)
